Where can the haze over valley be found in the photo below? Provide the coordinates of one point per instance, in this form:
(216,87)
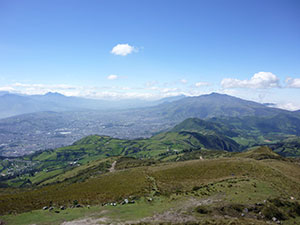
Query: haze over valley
(27,133)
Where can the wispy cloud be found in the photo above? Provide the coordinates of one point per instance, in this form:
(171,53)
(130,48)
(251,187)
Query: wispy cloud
(151,83)
(201,84)
(112,77)
(123,49)
(183,81)
(258,80)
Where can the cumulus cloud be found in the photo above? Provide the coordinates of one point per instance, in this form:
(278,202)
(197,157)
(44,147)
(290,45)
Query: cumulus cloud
(123,49)
(258,80)
(292,82)
(201,84)
(112,77)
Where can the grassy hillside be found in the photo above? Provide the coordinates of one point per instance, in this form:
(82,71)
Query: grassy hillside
(272,126)
(40,167)
(187,140)
(279,132)
(216,190)
(287,147)
(204,127)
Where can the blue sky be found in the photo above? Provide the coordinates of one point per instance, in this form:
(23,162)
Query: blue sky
(249,49)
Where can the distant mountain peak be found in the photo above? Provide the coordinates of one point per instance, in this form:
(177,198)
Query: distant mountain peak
(216,94)
(53,94)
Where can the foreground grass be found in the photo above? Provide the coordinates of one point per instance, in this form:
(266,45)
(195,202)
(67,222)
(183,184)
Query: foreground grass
(161,210)
(280,178)
(120,213)
(107,187)
(246,179)
(44,217)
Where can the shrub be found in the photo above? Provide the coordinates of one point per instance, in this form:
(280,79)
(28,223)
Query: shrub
(294,210)
(75,202)
(196,188)
(201,209)
(270,211)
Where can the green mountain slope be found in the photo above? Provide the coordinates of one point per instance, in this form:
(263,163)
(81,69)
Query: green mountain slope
(260,153)
(277,131)
(280,124)
(287,147)
(224,188)
(187,140)
(45,165)
(212,105)
(204,127)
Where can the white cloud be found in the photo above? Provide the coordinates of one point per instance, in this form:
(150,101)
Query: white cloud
(293,82)
(288,106)
(112,77)
(258,80)
(151,83)
(37,89)
(123,49)
(168,90)
(201,84)
(155,90)
(44,86)
(7,88)
(183,81)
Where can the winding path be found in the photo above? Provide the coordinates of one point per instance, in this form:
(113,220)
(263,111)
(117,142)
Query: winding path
(112,168)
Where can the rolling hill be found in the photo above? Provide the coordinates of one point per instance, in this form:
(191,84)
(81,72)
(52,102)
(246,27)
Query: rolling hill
(163,146)
(288,147)
(188,140)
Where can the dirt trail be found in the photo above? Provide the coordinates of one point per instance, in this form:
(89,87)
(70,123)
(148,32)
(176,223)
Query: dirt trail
(178,215)
(86,221)
(112,168)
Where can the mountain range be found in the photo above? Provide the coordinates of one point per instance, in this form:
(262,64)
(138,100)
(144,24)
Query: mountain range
(16,104)
(246,122)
